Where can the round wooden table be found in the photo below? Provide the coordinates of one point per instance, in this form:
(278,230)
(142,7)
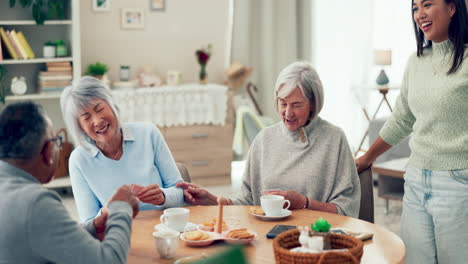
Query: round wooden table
(385,247)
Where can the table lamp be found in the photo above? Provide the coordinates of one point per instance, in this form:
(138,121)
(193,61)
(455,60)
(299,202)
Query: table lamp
(382,57)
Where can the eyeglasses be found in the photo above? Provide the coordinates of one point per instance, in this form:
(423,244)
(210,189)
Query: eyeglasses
(58,140)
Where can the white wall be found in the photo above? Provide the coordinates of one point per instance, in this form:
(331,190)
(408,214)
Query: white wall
(168,41)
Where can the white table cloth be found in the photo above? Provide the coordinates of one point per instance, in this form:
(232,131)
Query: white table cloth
(165,106)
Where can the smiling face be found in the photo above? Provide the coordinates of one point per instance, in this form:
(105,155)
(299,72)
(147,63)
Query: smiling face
(295,110)
(433,18)
(98,121)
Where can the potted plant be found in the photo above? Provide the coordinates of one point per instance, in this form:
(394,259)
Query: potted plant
(48,51)
(60,49)
(321,227)
(97,70)
(42,10)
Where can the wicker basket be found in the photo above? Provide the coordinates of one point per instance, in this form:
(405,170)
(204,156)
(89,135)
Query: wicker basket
(290,239)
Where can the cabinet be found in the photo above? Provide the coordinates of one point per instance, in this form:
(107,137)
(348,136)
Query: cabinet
(206,150)
(20,19)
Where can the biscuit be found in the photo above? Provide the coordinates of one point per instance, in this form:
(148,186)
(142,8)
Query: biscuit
(212,223)
(240,234)
(193,235)
(256,210)
(197,235)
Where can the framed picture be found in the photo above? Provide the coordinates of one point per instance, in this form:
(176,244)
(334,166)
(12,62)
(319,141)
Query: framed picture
(133,18)
(101,5)
(157,5)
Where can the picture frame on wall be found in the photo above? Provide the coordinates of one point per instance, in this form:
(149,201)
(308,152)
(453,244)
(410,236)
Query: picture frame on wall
(157,5)
(101,5)
(132,18)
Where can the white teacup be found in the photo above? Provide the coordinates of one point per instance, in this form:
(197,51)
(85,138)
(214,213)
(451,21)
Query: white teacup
(166,243)
(273,205)
(175,218)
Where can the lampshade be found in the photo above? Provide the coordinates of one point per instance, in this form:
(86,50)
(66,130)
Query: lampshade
(383,57)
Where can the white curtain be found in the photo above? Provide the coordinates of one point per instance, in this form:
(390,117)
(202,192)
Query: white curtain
(268,35)
(344,35)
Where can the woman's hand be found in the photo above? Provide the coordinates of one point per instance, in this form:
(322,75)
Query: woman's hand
(195,195)
(151,194)
(125,194)
(363,162)
(297,200)
(100,224)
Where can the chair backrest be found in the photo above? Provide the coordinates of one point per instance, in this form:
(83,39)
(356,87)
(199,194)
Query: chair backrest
(366,211)
(183,172)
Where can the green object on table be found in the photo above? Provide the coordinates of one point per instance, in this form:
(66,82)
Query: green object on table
(321,225)
(232,255)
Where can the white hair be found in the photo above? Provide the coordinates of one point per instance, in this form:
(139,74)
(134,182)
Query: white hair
(303,76)
(77,97)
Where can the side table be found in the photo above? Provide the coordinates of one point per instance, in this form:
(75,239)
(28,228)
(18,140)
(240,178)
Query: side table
(391,182)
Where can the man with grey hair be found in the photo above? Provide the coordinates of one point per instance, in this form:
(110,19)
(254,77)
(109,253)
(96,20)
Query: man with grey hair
(36,227)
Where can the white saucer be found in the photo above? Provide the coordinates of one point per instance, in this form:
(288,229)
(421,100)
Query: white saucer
(188,227)
(284,213)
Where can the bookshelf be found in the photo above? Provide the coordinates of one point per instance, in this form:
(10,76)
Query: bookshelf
(20,19)
(67,29)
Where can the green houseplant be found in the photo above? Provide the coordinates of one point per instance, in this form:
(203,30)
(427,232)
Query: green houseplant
(97,70)
(43,9)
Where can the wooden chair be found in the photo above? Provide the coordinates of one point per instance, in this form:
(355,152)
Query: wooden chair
(183,172)
(366,211)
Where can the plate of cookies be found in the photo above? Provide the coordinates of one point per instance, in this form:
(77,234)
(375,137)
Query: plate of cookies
(198,238)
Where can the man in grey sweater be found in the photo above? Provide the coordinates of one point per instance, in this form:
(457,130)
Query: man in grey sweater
(36,227)
(303,158)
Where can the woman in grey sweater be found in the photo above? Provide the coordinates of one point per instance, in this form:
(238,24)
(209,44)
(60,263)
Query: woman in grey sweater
(303,158)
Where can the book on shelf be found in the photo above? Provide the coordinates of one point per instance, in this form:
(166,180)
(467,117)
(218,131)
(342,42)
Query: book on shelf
(51,89)
(58,64)
(1,50)
(55,78)
(6,41)
(15,46)
(15,38)
(54,83)
(56,73)
(59,69)
(25,44)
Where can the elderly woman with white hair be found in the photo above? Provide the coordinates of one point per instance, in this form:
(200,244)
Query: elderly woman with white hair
(303,158)
(111,154)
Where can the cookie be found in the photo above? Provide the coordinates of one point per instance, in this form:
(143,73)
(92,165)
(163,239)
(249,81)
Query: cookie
(240,234)
(196,235)
(256,210)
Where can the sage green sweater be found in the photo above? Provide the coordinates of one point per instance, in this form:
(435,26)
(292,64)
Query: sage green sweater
(434,107)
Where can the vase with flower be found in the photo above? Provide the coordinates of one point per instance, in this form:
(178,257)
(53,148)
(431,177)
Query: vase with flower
(203,55)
